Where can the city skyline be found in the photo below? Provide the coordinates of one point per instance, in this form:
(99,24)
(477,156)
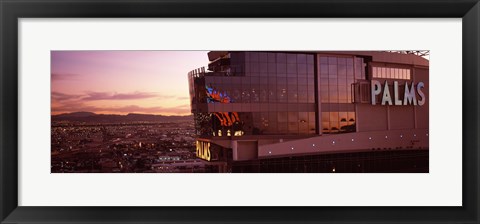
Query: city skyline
(122,82)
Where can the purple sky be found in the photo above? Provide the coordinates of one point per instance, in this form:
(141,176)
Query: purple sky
(121,82)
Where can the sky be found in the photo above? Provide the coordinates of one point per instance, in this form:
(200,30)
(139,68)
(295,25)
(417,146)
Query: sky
(122,82)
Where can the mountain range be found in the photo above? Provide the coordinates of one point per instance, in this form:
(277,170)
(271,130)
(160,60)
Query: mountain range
(114,118)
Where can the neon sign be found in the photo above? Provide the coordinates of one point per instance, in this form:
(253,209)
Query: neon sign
(226,119)
(203,150)
(216,96)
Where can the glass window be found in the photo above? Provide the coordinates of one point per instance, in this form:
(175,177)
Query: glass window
(302,69)
(342,71)
(254,80)
(343,116)
(293,117)
(310,60)
(246,95)
(281,58)
(281,68)
(282,127)
(292,81)
(310,70)
(311,97)
(324,82)
(333,82)
(333,97)
(349,94)
(326,127)
(272,116)
(332,60)
(324,60)
(303,128)
(263,68)
(255,97)
(301,59)
(272,95)
(263,57)
(263,95)
(272,68)
(292,68)
(324,71)
(324,95)
(350,61)
(254,56)
(282,116)
(334,126)
(350,71)
(334,116)
(254,68)
(272,128)
(291,59)
(271,57)
(292,95)
(390,73)
(351,117)
(263,81)
(304,80)
(236,95)
(302,94)
(332,70)
(281,94)
(293,127)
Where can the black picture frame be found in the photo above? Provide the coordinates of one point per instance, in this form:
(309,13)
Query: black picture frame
(12,10)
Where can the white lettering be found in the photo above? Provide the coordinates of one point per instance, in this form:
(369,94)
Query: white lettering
(395,92)
(386,95)
(409,96)
(376,89)
(420,92)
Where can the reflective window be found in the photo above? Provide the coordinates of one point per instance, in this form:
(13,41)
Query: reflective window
(271,93)
(390,73)
(337,74)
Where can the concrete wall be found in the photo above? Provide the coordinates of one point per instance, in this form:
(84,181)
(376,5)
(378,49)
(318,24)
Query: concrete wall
(245,150)
(391,117)
(421,75)
(350,142)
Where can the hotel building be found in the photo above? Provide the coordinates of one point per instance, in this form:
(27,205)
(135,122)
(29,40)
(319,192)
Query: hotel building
(358,111)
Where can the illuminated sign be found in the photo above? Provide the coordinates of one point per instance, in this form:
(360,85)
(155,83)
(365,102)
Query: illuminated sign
(409,96)
(203,150)
(227,118)
(216,96)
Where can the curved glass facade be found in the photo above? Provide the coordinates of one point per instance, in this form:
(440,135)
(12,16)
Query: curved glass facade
(268,93)
(337,75)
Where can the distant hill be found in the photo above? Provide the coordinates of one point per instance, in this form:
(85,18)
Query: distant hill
(90,117)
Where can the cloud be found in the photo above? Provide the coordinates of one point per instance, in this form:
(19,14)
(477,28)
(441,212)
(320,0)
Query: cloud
(183,98)
(65,103)
(58,96)
(63,76)
(91,96)
(181,109)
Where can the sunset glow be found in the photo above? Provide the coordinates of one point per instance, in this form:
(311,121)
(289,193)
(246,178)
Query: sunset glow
(122,82)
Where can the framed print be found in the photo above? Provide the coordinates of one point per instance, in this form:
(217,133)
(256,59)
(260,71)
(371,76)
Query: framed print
(223,111)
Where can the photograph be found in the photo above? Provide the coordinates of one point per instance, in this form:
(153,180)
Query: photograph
(317,111)
(269,111)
